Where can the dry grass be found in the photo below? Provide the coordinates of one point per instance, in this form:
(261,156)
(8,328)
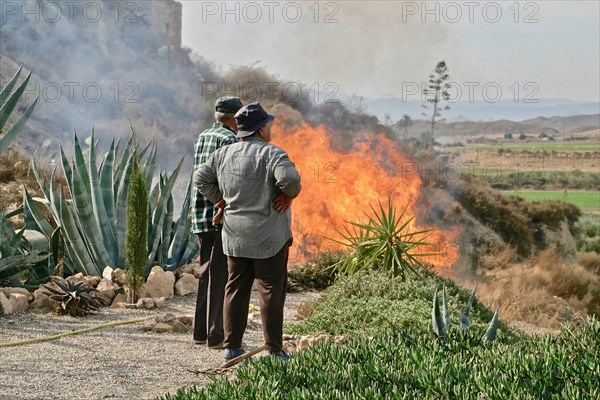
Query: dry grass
(590,260)
(545,291)
(15,171)
(499,259)
(527,163)
(14,166)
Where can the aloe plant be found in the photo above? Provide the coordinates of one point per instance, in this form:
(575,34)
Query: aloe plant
(441,324)
(385,242)
(92,219)
(8,102)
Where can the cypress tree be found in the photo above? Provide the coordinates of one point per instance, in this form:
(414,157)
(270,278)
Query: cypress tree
(136,237)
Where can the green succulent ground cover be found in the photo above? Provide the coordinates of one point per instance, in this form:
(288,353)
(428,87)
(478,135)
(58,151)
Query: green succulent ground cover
(409,365)
(370,304)
(392,352)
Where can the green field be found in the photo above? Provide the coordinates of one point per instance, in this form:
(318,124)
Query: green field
(589,201)
(583,146)
(496,171)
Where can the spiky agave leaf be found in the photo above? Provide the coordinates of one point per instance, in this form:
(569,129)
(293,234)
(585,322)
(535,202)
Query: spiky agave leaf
(437,321)
(8,106)
(464,318)
(446,312)
(490,333)
(384,242)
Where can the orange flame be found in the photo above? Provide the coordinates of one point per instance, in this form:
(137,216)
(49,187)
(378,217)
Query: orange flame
(339,186)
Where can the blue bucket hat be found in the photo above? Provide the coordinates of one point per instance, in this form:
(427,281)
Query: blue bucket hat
(251,118)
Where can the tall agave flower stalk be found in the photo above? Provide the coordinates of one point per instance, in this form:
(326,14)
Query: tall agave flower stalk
(92,213)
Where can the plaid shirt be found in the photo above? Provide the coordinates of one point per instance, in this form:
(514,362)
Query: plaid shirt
(217,136)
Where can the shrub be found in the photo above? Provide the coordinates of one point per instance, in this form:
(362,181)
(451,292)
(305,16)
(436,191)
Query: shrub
(136,238)
(501,213)
(587,233)
(552,213)
(512,217)
(590,261)
(317,274)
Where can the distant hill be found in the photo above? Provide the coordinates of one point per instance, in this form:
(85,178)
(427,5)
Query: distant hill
(567,124)
(395,107)
(535,126)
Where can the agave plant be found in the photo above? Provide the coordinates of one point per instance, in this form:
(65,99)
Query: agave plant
(24,256)
(385,242)
(93,221)
(440,323)
(75,299)
(8,102)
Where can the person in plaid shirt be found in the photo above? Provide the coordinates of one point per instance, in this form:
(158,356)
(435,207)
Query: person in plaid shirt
(208,321)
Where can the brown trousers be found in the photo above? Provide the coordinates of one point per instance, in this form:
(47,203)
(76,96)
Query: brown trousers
(271,277)
(208,320)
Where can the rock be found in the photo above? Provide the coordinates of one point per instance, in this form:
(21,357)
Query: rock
(162,327)
(185,319)
(186,269)
(6,306)
(149,324)
(19,301)
(180,327)
(187,284)
(106,291)
(120,298)
(76,278)
(293,286)
(168,318)
(159,302)
(253,321)
(105,284)
(118,276)
(107,273)
(288,347)
(145,303)
(159,284)
(93,281)
(302,343)
(306,341)
(7,291)
(561,238)
(41,301)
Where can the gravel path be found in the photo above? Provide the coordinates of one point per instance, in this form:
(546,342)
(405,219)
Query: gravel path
(114,363)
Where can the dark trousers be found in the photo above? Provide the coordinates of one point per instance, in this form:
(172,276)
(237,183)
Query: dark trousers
(271,276)
(208,320)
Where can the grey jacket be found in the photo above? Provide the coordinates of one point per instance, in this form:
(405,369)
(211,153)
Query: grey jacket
(248,176)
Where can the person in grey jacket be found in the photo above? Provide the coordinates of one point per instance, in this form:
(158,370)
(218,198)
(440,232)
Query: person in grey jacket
(254,183)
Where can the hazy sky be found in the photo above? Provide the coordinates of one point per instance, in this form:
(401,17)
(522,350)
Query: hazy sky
(516,50)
